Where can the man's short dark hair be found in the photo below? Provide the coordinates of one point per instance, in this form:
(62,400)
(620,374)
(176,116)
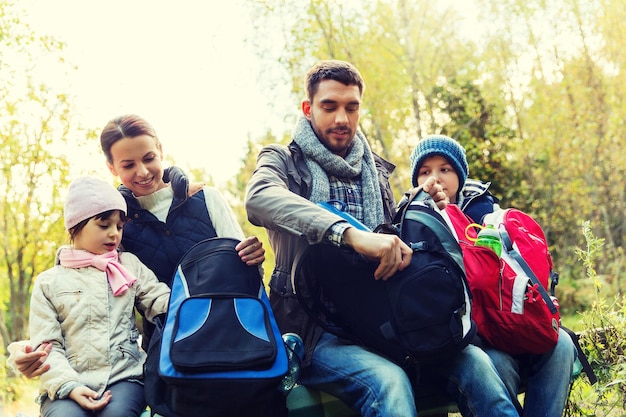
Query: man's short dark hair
(340,71)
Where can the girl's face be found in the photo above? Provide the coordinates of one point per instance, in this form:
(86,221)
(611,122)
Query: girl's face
(100,236)
(138,163)
(439,167)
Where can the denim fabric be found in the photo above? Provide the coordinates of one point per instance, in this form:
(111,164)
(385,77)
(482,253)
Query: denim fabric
(363,380)
(547,377)
(473,382)
(127,400)
(378,388)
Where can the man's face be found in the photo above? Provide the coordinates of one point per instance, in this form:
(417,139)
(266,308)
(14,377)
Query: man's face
(334,115)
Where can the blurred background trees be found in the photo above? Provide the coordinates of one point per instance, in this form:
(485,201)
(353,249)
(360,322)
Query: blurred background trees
(35,125)
(534,90)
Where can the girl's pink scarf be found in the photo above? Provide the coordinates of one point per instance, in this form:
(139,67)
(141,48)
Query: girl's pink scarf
(119,277)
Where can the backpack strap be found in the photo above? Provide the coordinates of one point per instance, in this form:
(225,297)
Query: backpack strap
(554,279)
(581,356)
(448,241)
(417,194)
(309,294)
(508,246)
(438,227)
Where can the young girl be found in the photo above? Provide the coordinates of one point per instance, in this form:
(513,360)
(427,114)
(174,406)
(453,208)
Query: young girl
(167,215)
(83,309)
(546,377)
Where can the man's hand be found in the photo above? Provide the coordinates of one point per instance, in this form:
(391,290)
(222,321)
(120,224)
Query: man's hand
(391,253)
(88,398)
(31,363)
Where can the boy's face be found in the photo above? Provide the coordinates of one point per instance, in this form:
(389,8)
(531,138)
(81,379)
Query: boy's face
(437,166)
(334,115)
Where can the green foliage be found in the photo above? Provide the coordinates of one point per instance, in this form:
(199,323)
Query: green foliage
(35,121)
(480,127)
(7,386)
(237,194)
(603,340)
(534,91)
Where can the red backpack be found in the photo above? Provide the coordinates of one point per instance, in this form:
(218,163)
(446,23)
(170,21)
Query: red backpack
(510,301)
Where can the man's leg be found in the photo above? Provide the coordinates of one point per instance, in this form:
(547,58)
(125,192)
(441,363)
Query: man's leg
(364,380)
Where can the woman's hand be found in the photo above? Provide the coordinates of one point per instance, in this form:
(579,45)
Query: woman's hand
(251,251)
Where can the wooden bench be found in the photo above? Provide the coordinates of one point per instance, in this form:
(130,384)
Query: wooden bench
(306,402)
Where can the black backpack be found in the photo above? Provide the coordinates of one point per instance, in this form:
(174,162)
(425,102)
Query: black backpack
(219,351)
(419,315)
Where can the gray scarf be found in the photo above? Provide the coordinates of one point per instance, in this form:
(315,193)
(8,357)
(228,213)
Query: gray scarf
(359,161)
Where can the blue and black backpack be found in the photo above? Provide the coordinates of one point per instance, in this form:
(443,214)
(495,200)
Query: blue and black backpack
(219,351)
(418,316)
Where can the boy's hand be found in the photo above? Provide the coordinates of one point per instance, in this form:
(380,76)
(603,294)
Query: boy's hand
(432,187)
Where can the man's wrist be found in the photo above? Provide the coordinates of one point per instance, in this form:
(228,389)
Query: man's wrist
(336,232)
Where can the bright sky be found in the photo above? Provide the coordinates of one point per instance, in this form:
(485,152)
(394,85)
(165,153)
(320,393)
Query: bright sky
(182,65)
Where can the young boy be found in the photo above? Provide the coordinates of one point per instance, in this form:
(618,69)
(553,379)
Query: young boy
(547,376)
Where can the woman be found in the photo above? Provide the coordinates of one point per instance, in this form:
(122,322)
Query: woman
(167,215)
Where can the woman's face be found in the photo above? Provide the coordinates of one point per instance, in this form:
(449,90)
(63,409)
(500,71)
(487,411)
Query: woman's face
(439,167)
(138,163)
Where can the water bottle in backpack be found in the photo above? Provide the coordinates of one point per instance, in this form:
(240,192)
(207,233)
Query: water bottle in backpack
(489,237)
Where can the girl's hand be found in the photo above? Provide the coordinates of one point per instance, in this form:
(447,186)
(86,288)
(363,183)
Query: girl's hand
(88,398)
(31,363)
(251,251)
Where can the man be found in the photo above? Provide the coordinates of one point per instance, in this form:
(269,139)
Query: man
(330,159)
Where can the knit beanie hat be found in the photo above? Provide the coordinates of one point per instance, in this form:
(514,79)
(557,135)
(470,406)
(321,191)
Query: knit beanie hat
(443,146)
(88,196)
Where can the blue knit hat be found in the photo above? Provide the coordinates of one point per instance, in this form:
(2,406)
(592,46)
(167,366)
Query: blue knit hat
(444,146)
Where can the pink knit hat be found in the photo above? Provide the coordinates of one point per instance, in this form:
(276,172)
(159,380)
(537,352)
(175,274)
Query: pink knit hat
(88,196)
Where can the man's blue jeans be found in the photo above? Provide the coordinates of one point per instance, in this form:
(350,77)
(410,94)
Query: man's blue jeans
(376,387)
(547,377)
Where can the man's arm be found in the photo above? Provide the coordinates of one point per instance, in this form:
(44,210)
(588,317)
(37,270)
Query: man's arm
(392,254)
